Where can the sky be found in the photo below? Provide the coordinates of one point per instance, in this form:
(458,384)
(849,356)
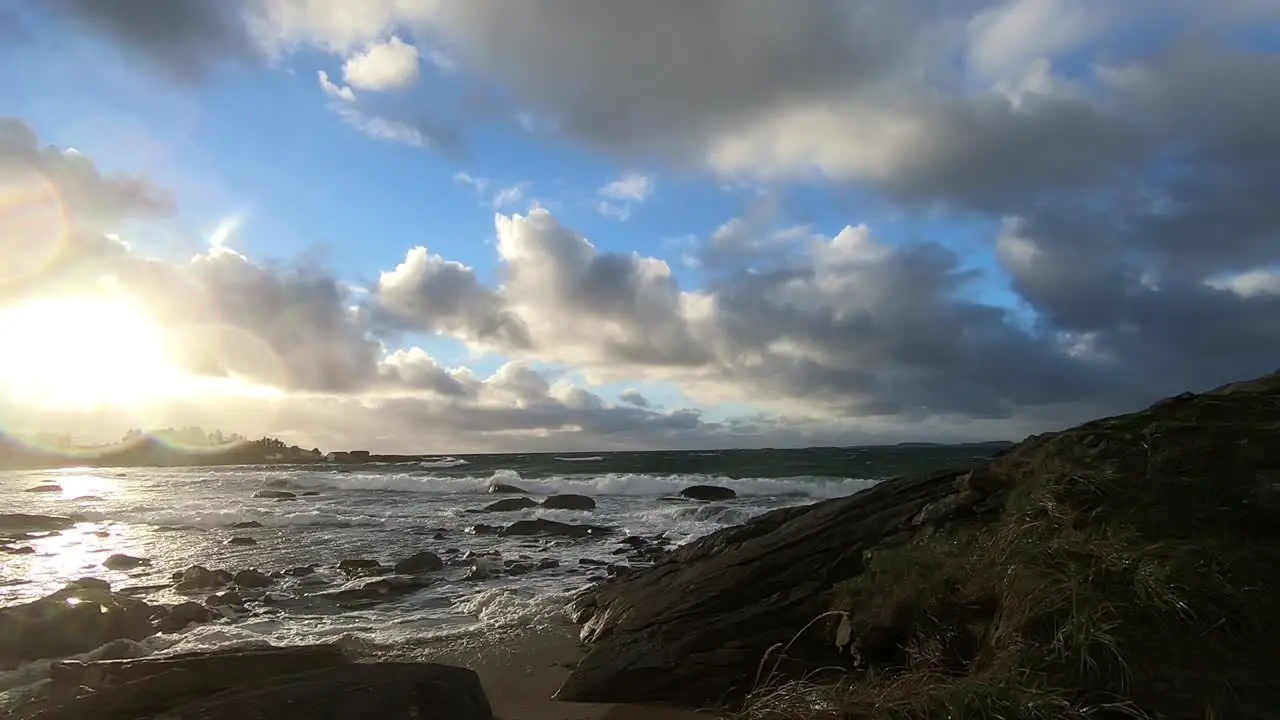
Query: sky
(428,226)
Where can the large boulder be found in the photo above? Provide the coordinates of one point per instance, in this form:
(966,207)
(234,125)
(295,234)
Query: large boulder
(569,502)
(504,489)
(76,619)
(1138,566)
(421,562)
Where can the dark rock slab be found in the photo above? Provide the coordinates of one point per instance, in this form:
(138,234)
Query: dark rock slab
(542,526)
(742,590)
(383,691)
(511,504)
(178,617)
(363,591)
(242,541)
(247,524)
(252,579)
(44,489)
(710,493)
(569,502)
(503,489)
(198,577)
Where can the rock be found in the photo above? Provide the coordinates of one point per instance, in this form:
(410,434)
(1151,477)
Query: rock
(126,689)
(920,576)
(569,502)
(309,493)
(44,489)
(120,561)
(592,562)
(239,540)
(548,564)
(198,577)
(419,563)
(276,483)
(247,524)
(757,583)
(73,620)
(302,571)
(502,489)
(542,526)
(710,493)
(89,583)
(22,522)
(510,505)
(619,570)
(353,565)
(368,590)
(483,529)
(356,691)
(252,579)
(633,541)
(228,598)
(275,494)
(18,549)
(178,617)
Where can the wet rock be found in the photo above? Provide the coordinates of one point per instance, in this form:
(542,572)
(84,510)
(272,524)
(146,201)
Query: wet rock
(227,598)
(592,562)
(247,524)
(352,565)
(309,493)
(569,502)
(198,577)
(515,569)
(419,563)
(276,483)
(22,522)
(89,583)
(252,579)
(709,493)
(511,505)
(301,571)
(44,489)
(313,682)
(633,541)
(548,564)
(275,494)
(438,536)
(503,489)
(483,529)
(120,561)
(73,620)
(17,549)
(242,541)
(178,617)
(620,570)
(368,590)
(542,526)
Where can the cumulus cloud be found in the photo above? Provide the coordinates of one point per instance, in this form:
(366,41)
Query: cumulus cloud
(631,396)
(381,66)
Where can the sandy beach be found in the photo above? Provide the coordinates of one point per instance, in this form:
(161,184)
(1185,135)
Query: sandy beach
(521,670)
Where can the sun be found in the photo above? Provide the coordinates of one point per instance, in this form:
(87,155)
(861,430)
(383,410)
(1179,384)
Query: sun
(84,352)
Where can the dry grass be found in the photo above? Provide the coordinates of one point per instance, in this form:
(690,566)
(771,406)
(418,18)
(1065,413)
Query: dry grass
(1137,580)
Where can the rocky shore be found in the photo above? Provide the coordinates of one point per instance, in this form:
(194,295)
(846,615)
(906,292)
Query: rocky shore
(1129,567)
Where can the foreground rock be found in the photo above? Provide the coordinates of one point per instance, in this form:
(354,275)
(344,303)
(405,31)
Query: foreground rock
(24,523)
(1141,571)
(80,617)
(419,563)
(569,502)
(265,684)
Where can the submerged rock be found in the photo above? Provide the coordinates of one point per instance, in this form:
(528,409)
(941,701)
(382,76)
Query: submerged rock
(504,489)
(366,590)
(22,522)
(247,524)
(709,493)
(275,494)
(569,502)
(241,541)
(120,561)
(542,526)
(44,489)
(511,505)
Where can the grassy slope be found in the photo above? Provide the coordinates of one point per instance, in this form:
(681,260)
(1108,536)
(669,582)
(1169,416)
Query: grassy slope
(1135,572)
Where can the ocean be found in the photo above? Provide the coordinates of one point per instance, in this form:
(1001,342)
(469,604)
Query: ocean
(177,517)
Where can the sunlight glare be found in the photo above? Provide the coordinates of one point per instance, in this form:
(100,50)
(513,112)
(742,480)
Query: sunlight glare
(84,352)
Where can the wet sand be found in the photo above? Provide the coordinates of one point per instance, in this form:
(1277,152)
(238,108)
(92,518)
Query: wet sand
(521,670)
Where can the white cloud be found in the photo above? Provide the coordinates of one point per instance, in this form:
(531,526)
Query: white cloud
(333,90)
(508,196)
(633,187)
(478,183)
(1250,284)
(383,66)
